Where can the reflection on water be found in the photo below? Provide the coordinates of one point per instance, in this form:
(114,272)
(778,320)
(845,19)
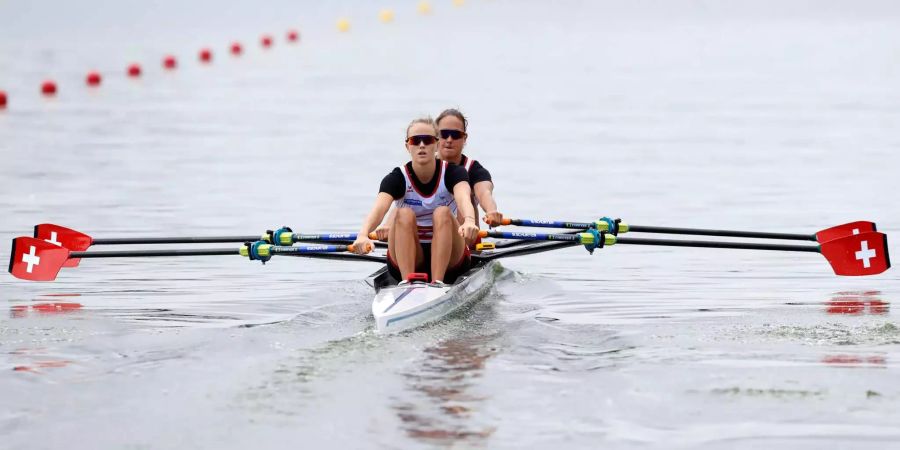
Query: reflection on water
(854,303)
(36,360)
(22,311)
(856,360)
(442,385)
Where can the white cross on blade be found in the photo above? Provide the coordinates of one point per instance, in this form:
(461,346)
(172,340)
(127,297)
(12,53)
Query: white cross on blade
(32,259)
(53,240)
(865,254)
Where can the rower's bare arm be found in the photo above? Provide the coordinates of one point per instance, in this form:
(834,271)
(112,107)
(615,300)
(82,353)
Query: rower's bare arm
(376,215)
(484,192)
(384,229)
(462,193)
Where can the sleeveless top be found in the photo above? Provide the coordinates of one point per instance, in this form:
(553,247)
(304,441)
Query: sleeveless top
(423,205)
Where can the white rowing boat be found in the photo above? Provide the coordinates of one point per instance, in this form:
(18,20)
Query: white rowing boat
(399,308)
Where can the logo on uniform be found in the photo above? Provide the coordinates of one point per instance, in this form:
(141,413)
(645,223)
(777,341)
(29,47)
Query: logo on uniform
(412,201)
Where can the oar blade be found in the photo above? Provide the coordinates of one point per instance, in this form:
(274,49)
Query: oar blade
(847,229)
(858,254)
(35,259)
(73,240)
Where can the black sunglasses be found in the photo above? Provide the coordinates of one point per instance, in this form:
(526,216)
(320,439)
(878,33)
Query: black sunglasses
(426,139)
(455,134)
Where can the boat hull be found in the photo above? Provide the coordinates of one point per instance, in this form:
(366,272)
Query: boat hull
(399,308)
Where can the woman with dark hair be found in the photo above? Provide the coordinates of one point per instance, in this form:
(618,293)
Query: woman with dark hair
(452,126)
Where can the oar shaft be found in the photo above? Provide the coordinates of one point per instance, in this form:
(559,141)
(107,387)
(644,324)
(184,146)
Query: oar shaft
(662,230)
(271,249)
(531,236)
(285,250)
(176,240)
(152,253)
(714,244)
(722,233)
(299,237)
(587,238)
(547,223)
(296,237)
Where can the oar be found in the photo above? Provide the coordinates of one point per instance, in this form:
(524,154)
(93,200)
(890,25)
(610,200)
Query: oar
(617,226)
(77,241)
(854,255)
(38,260)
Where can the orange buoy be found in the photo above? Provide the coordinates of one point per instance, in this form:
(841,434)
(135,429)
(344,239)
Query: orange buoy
(48,88)
(134,70)
(169,62)
(93,79)
(2,99)
(205,55)
(293,36)
(266,41)
(236,49)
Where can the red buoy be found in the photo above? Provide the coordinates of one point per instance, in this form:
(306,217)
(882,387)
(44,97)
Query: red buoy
(266,41)
(134,70)
(169,62)
(2,99)
(48,88)
(93,79)
(293,36)
(236,49)
(205,55)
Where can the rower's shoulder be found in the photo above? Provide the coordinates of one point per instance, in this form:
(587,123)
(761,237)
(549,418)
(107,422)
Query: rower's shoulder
(456,171)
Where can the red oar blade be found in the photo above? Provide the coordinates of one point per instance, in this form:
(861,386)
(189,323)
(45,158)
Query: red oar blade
(858,254)
(73,240)
(35,259)
(847,229)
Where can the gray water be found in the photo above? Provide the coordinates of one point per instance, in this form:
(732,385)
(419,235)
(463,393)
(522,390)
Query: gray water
(768,115)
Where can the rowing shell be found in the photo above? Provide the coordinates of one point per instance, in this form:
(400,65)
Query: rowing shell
(399,308)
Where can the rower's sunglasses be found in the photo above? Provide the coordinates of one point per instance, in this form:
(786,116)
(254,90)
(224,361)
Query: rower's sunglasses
(455,134)
(426,139)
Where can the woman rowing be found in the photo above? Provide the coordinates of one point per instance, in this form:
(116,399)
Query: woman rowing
(429,196)
(452,126)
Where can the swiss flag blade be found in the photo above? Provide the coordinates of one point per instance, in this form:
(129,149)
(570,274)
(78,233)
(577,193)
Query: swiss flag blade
(858,254)
(847,229)
(35,259)
(73,240)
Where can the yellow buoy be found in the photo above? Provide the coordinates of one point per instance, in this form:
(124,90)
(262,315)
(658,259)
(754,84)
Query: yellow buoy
(343,25)
(386,15)
(424,7)
(459,2)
